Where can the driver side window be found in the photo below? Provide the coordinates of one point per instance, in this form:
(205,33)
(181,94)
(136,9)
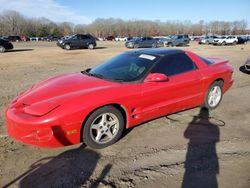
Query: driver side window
(174,64)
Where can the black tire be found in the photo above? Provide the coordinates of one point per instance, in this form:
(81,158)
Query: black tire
(2,49)
(89,133)
(223,43)
(217,84)
(170,44)
(67,47)
(91,46)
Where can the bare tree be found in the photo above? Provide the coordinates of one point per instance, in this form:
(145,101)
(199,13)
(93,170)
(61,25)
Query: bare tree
(13,23)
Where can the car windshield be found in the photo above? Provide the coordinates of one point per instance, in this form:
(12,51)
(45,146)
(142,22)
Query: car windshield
(127,67)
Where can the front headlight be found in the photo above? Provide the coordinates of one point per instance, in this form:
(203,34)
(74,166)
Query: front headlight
(40,108)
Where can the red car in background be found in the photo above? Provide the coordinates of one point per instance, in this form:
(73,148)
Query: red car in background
(24,38)
(95,106)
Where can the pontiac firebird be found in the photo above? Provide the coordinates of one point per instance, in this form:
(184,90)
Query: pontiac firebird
(96,105)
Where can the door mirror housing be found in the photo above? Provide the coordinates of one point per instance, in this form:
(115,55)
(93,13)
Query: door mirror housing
(156,77)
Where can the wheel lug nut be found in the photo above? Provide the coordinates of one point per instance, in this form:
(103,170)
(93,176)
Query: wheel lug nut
(100,127)
(102,131)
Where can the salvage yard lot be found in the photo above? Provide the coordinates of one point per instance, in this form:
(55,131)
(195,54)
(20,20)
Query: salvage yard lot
(155,154)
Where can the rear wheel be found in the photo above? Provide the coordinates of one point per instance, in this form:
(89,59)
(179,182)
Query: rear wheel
(234,43)
(223,43)
(214,95)
(2,49)
(103,127)
(67,47)
(154,45)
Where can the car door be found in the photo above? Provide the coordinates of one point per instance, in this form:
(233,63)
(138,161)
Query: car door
(76,41)
(149,42)
(143,42)
(84,41)
(183,90)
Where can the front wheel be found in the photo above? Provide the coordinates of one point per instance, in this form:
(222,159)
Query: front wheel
(214,95)
(2,49)
(154,45)
(103,127)
(67,47)
(91,46)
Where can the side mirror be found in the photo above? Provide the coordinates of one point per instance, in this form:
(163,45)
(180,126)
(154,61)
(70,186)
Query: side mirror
(156,77)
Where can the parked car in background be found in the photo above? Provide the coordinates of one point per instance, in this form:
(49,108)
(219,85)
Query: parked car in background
(5,38)
(24,38)
(143,42)
(110,38)
(51,38)
(5,45)
(130,38)
(120,38)
(225,40)
(78,41)
(178,40)
(241,40)
(34,38)
(13,38)
(207,40)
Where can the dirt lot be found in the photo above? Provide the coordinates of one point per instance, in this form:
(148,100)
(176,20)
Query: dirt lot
(178,150)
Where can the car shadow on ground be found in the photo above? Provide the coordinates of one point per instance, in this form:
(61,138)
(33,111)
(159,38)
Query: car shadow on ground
(72,168)
(100,47)
(243,70)
(19,50)
(202,165)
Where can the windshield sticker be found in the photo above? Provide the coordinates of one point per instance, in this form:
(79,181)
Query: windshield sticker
(145,56)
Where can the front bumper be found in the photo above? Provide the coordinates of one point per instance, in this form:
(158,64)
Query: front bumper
(40,131)
(61,45)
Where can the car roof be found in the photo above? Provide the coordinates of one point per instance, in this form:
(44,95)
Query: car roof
(159,51)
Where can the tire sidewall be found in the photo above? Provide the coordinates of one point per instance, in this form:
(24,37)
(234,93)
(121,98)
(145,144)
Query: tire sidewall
(2,49)
(86,129)
(91,46)
(67,47)
(217,83)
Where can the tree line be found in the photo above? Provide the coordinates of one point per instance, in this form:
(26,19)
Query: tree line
(14,23)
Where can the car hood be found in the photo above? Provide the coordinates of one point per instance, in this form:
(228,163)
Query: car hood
(61,88)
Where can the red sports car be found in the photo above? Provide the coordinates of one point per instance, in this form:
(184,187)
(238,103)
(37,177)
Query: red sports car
(95,106)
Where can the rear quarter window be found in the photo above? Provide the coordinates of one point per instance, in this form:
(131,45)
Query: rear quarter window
(205,60)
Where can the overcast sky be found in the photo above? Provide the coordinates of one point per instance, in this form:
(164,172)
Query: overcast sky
(85,11)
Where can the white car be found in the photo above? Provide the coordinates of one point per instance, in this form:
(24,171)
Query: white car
(226,40)
(207,39)
(120,38)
